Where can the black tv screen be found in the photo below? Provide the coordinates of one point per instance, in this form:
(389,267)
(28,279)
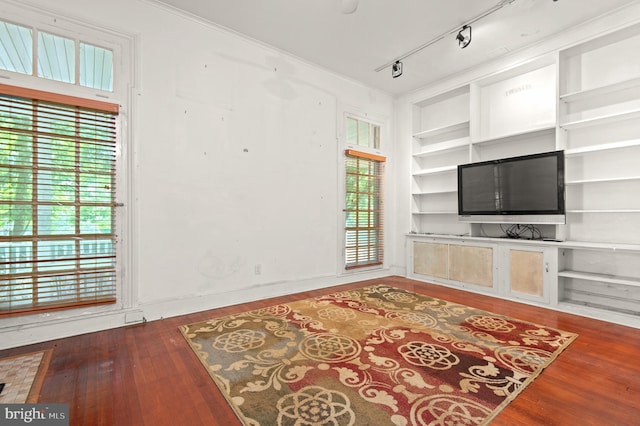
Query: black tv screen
(525,189)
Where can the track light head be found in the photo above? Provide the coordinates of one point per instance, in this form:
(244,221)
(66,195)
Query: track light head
(396,69)
(464,36)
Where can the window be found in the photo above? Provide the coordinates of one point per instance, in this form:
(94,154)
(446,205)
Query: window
(56,57)
(57,201)
(362,133)
(364,206)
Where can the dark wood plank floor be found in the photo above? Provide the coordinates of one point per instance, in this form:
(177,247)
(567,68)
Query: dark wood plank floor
(147,374)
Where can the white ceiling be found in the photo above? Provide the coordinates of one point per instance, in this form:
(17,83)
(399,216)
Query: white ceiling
(380,31)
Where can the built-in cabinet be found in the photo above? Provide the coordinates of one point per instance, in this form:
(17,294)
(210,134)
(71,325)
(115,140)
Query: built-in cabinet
(464,264)
(529,271)
(491,266)
(600,277)
(585,100)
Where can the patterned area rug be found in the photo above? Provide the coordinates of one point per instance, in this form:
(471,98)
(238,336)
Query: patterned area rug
(373,356)
(22,376)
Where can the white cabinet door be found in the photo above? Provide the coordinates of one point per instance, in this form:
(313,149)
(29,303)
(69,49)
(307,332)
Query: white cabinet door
(460,264)
(431,259)
(472,265)
(529,273)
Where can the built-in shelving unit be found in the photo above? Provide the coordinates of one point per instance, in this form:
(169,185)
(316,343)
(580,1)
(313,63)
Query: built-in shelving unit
(440,143)
(599,108)
(583,99)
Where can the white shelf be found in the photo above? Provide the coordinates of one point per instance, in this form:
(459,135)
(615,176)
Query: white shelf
(443,147)
(568,244)
(605,211)
(525,134)
(603,278)
(434,213)
(602,147)
(518,70)
(599,91)
(591,311)
(604,119)
(586,245)
(442,130)
(441,126)
(444,191)
(435,170)
(601,180)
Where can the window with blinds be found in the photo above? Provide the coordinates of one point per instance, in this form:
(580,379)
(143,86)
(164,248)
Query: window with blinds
(57,201)
(364,207)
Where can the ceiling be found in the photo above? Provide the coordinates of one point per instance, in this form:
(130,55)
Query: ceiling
(380,31)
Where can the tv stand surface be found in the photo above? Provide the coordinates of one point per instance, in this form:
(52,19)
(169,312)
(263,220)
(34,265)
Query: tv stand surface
(569,244)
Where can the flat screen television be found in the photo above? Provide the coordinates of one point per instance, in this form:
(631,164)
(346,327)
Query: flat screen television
(527,189)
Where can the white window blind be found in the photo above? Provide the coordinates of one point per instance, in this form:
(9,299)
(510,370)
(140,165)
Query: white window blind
(57,201)
(364,208)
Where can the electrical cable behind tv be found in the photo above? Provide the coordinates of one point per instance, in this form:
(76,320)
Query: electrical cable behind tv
(517,231)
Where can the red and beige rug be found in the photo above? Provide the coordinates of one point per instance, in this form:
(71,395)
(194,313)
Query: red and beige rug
(373,356)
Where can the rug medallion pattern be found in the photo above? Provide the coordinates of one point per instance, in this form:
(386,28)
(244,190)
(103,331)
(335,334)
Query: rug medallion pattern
(373,356)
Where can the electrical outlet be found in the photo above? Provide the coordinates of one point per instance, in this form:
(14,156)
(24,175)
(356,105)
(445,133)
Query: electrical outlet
(257,269)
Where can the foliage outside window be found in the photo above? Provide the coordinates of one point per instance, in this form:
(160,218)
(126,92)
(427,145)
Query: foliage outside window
(57,201)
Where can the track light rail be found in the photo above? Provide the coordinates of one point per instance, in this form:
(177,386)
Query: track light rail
(484,14)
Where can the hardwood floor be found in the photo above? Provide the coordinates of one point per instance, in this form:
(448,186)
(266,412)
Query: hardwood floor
(147,374)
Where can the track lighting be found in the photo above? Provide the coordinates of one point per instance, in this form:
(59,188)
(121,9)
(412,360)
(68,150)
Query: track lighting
(464,36)
(396,69)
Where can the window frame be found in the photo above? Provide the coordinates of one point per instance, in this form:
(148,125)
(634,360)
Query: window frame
(124,81)
(121,45)
(372,152)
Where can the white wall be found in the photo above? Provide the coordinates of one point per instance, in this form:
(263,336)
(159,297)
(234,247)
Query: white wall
(235,163)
